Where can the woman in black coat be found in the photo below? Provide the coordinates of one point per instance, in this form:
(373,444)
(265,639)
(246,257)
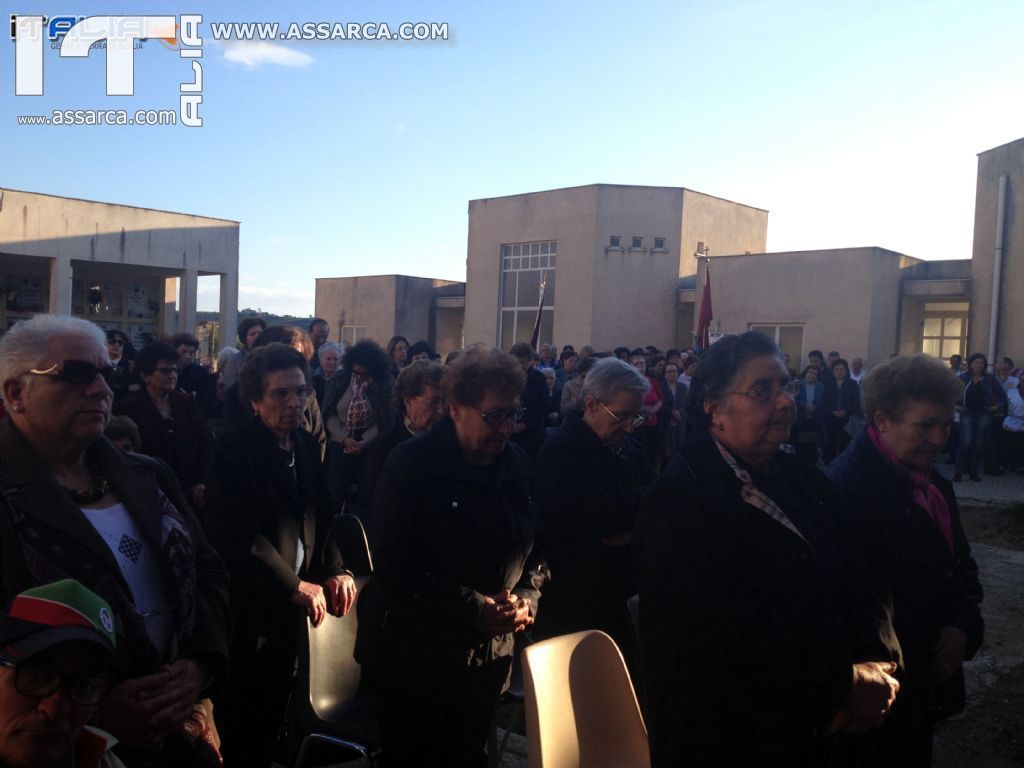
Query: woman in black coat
(909,534)
(842,401)
(590,479)
(456,572)
(270,518)
(759,644)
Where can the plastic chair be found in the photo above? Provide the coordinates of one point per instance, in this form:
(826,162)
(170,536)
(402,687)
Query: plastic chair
(350,534)
(581,711)
(329,705)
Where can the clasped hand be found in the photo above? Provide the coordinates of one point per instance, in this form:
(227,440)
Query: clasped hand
(873,693)
(504,612)
(335,597)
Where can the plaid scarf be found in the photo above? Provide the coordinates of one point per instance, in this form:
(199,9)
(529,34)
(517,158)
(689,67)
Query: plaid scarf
(359,413)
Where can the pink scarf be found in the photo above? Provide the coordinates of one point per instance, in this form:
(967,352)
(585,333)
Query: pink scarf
(926,494)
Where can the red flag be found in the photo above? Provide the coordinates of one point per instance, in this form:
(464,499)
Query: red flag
(704,322)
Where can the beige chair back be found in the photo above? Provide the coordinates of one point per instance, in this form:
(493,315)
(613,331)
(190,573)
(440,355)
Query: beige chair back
(581,711)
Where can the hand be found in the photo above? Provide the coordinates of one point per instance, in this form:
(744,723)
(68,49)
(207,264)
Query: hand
(874,690)
(178,697)
(948,654)
(341,594)
(351,445)
(502,613)
(311,597)
(198,495)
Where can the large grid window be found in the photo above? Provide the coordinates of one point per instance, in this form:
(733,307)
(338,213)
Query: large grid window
(789,337)
(944,331)
(525,267)
(350,334)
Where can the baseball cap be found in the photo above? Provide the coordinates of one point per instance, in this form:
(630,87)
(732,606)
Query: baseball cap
(42,617)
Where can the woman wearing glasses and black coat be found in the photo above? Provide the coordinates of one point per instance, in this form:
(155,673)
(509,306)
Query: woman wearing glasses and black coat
(457,572)
(760,642)
(590,479)
(74,506)
(269,517)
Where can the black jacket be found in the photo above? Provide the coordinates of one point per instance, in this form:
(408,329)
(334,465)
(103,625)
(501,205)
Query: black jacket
(257,514)
(377,455)
(588,497)
(447,534)
(535,402)
(748,632)
(909,559)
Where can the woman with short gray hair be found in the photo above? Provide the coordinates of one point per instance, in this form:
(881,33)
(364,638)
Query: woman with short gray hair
(591,474)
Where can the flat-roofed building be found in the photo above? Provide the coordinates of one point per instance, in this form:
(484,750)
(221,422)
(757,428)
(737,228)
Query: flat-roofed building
(118,265)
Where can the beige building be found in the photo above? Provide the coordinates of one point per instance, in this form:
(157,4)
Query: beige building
(381,306)
(608,256)
(118,265)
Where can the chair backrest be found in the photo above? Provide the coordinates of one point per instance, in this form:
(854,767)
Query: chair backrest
(348,532)
(580,706)
(329,675)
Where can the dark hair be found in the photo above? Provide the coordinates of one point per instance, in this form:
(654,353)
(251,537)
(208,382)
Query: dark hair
(151,356)
(184,338)
(893,385)
(521,351)
(567,353)
(1009,361)
(117,333)
(266,359)
(368,354)
(568,348)
(452,356)
(719,366)
(121,426)
(393,343)
(621,352)
(975,356)
(815,353)
(841,362)
(586,364)
(291,335)
(803,373)
(480,370)
(314,323)
(957,356)
(833,353)
(419,348)
(638,351)
(247,324)
(413,379)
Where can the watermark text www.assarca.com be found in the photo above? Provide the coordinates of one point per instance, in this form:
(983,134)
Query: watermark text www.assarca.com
(118,37)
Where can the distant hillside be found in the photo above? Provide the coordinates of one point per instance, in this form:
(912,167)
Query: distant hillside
(213,317)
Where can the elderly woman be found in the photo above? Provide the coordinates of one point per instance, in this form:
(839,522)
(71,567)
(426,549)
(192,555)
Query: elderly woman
(172,427)
(590,479)
(456,576)
(417,405)
(753,629)
(908,525)
(572,391)
(329,358)
(74,506)
(270,518)
(978,401)
(357,410)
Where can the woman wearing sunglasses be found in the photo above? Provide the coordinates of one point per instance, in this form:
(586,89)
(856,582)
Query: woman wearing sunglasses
(172,427)
(759,642)
(456,575)
(74,506)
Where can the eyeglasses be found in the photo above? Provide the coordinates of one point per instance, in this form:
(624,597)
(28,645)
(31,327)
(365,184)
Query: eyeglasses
(433,403)
(500,416)
(78,372)
(39,681)
(283,395)
(766,392)
(637,419)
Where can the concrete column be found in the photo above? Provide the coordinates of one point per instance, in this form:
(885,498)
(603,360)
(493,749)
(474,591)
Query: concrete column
(60,285)
(187,301)
(228,308)
(168,313)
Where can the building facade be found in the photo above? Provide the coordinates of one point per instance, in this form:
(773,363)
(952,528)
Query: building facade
(117,265)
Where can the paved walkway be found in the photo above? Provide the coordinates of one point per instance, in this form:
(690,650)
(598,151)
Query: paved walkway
(1005,489)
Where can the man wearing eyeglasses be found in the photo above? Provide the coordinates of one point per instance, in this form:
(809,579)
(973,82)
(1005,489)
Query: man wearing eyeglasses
(56,664)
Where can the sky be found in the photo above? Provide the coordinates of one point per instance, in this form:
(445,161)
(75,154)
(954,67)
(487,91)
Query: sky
(853,124)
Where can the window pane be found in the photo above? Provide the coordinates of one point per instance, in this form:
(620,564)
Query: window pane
(933,326)
(505,251)
(547,324)
(791,341)
(535,249)
(549,289)
(767,330)
(508,289)
(931,347)
(515,263)
(551,258)
(508,325)
(524,325)
(534,262)
(515,250)
(951,326)
(946,306)
(951,347)
(529,289)
(544,248)
(554,246)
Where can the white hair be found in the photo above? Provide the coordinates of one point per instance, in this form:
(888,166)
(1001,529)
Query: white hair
(25,346)
(609,376)
(328,346)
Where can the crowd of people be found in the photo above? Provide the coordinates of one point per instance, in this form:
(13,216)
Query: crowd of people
(806,592)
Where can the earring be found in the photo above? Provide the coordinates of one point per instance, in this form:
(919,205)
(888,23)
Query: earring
(18,408)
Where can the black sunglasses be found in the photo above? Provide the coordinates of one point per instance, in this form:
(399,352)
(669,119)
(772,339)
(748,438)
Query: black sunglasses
(39,681)
(80,372)
(501,416)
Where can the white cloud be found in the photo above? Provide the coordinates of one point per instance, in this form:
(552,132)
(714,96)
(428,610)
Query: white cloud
(255,53)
